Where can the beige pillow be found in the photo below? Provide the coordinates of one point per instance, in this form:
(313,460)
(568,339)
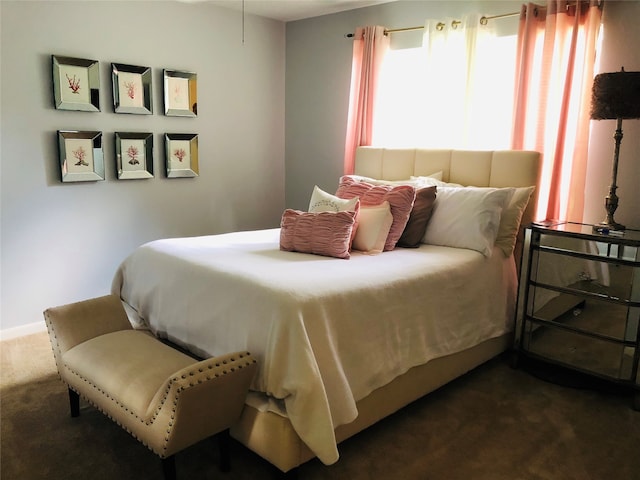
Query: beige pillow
(373,228)
(510,219)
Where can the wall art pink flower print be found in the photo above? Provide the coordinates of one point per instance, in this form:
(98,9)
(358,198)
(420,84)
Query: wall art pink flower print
(77,153)
(178,93)
(131,89)
(80,154)
(74,84)
(132,153)
(182,155)
(179,153)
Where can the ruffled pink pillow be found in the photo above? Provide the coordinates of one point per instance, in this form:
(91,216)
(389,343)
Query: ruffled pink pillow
(400,197)
(320,233)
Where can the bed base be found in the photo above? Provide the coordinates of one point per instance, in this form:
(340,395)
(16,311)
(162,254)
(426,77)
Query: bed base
(272,437)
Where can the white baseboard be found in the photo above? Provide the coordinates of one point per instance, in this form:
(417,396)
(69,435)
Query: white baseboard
(23,330)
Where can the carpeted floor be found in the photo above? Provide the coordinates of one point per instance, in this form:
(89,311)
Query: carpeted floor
(494,423)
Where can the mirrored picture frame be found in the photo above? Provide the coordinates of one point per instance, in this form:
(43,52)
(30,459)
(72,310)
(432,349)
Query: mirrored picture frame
(134,155)
(81,156)
(132,89)
(181,155)
(76,83)
(180,93)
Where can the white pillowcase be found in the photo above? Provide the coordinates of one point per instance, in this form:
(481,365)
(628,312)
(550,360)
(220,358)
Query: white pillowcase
(377,181)
(434,180)
(322,201)
(413,181)
(467,217)
(436,175)
(374,224)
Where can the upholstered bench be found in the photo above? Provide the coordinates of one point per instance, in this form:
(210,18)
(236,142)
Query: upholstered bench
(164,398)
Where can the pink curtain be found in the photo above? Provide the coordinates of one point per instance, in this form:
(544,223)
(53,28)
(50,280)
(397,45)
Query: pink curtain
(369,47)
(554,75)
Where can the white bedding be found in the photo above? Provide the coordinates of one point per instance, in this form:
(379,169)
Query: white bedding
(326,332)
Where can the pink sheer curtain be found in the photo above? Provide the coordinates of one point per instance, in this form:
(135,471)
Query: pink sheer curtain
(369,47)
(554,75)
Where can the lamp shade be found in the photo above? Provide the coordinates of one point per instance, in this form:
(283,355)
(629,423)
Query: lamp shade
(616,95)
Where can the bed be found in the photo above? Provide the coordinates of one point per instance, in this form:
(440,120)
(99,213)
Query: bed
(341,343)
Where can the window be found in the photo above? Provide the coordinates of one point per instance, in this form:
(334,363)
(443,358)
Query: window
(441,96)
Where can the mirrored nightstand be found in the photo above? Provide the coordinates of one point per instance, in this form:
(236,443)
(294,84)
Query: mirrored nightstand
(579,302)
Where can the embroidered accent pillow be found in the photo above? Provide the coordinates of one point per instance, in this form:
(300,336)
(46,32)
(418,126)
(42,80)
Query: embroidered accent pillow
(322,201)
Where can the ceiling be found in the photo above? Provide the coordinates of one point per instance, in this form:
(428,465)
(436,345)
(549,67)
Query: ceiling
(289,10)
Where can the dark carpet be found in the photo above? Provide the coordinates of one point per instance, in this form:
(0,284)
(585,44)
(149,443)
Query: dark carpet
(493,423)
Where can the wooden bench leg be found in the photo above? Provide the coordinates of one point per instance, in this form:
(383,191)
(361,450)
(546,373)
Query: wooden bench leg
(169,468)
(74,403)
(224,441)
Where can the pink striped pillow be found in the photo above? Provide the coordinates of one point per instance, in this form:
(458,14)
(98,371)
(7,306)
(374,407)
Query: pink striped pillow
(320,233)
(400,197)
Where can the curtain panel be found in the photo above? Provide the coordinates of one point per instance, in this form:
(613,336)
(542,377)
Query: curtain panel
(456,84)
(554,75)
(369,47)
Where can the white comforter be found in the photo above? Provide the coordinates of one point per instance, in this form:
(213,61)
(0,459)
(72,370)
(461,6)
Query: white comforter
(326,332)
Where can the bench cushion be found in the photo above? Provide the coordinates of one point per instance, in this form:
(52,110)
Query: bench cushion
(129,365)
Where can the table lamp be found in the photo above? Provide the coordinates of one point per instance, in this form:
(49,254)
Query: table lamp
(615,96)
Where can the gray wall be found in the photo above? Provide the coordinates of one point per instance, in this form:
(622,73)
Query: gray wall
(63,242)
(620,48)
(318,75)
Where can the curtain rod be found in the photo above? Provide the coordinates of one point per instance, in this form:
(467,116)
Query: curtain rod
(440,26)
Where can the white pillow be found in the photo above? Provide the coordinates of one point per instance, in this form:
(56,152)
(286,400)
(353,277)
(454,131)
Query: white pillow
(374,224)
(467,217)
(322,201)
(437,175)
(510,219)
(432,180)
(377,181)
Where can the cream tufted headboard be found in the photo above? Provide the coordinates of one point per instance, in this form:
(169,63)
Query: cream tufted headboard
(494,168)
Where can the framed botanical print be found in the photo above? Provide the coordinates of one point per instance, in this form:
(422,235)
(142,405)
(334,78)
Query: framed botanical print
(134,155)
(181,154)
(81,156)
(132,89)
(76,83)
(180,93)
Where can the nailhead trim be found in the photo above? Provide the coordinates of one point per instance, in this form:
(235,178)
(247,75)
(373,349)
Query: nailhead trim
(161,403)
(52,334)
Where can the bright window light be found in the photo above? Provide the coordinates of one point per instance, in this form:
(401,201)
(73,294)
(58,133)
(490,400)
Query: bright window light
(426,106)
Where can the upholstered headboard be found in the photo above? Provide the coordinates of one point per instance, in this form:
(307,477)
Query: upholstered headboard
(494,168)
